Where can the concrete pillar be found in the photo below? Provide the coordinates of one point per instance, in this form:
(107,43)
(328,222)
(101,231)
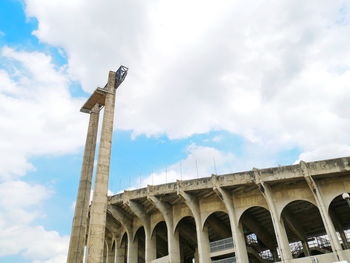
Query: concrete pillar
(121,249)
(173,236)
(173,246)
(306,248)
(150,245)
(278,224)
(340,229)
(105,253)
(202,234)
(120,255)
(236,228)
(132,250)
(111,254)
(344,239)
(126,223)
(328,224)
(196,256)
(99,203)
(80,220)
(151,249)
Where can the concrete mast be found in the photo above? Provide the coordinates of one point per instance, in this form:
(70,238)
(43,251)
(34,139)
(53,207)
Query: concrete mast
(95,243)
(100,97)
(79,227)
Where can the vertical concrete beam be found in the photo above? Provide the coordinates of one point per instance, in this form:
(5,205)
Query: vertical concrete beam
(126,223)
(278,224)
(132,250)
(202,235)
(236,229)
(306,248)
(173,236)
(150,245)
(80,220)
(99,202)
(120,252)
(339,228)
(328,224)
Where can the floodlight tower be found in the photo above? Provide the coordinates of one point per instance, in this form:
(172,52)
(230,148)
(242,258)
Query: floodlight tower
(102,97)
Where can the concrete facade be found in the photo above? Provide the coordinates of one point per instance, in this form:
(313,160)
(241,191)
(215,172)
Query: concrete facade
(283,214)
(288,214)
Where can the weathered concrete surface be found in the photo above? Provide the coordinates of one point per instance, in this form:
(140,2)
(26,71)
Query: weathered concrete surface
(282,191)
(98,210)
(79,228)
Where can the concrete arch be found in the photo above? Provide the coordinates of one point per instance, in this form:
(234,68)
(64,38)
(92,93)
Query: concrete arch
(136,225)
(155,220)
(125,237)
(206,216)
(247,208)
(335,195)
(299,230)
(209,206)
(137,230)
(260,232)
(332,187)
(338,211)
(160,236)
(218,227)
(243,202)
(153,229)
(285,204)
(184,211)
(187,231)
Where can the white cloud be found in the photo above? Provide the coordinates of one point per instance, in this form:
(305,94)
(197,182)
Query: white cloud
(34,243)
(37,113)
(201,161)
(323,152)
(20,206)
(276,73)
(38,116)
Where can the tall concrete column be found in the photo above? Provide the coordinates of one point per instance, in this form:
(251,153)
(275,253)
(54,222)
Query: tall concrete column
(173,236)
(236,229)
(111,254)
(202,234)
(127,224)
(80,220)
(174,246)
(120,252)
(132,250)
(327,221)
(150,245)
(280,231)
(99,202)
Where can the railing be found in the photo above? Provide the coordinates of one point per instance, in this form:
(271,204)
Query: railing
(266,255)
(320,242)
(221,245)
(225,260)
(296,248)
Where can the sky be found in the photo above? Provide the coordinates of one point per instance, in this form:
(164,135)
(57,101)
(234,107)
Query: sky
(211,89)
